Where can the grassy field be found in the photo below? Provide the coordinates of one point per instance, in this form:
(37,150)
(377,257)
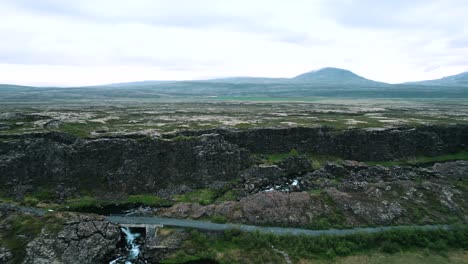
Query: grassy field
(397,246)
(318,160)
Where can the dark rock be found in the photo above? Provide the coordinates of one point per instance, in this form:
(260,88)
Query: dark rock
(353,144)
(5,255)
(298,208)
(83,239)
(118,165)
(263,171)
(172,164)
(166,242)
(295,165)
(353,165)
(335,169)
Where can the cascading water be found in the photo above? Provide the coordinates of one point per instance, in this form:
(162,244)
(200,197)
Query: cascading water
(133,248)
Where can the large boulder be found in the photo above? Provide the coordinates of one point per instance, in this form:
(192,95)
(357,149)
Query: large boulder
(83,239)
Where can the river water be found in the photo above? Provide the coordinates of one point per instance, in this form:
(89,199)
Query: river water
(133,249)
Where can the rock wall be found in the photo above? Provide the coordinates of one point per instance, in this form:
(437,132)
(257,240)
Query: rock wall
(198,159)
(118,164)
(354,144)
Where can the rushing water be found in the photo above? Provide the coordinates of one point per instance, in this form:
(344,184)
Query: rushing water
(133,247)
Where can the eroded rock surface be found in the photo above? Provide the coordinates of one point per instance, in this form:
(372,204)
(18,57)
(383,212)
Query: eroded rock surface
(83,239)
(350,194)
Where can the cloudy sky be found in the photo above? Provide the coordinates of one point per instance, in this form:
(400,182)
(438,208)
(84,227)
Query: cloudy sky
(85,42)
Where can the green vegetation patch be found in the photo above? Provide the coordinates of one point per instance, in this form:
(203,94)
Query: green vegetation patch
(201,196)
(206,196)
(278,157)
(239,247)
(22,229)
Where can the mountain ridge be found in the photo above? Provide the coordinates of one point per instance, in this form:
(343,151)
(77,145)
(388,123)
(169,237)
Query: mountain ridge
(460,79)
(323,76)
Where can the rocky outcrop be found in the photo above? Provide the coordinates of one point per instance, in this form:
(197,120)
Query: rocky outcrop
(166,242)
(346,175)
(295,165)
(455,170)
(353,144)
(83,239)
(117,164)
(350,193)
(276,208)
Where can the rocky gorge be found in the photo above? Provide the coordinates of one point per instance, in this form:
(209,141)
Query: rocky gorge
(248,184)
(202,159)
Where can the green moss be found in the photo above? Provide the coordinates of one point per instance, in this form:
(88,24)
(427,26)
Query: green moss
(22,230)
(83,202)
(315,192)
(53,224)
(219,219)
(334,218)
(202,196)
(278,157)
(147,200)
(44,194)
(76,129)
(227,196)
(30,201)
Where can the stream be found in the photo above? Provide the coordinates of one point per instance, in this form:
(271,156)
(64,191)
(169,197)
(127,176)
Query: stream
(132,247)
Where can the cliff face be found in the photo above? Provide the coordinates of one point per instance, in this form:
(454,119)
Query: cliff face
(354,144)
(132,165)
(119,165)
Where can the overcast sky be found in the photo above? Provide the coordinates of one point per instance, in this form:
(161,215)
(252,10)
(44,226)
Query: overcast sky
(85,42)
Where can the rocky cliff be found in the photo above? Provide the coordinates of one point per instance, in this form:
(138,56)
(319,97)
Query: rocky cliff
(117,164)
(195,159)
(353,144)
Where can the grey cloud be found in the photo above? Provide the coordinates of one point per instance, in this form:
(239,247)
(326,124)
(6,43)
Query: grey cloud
(377,14)
(192,20)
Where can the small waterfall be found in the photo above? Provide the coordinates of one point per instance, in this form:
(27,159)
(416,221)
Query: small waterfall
(133,247)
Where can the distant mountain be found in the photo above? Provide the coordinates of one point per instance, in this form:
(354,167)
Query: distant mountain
(331,75)
(454,80)
(325,76)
